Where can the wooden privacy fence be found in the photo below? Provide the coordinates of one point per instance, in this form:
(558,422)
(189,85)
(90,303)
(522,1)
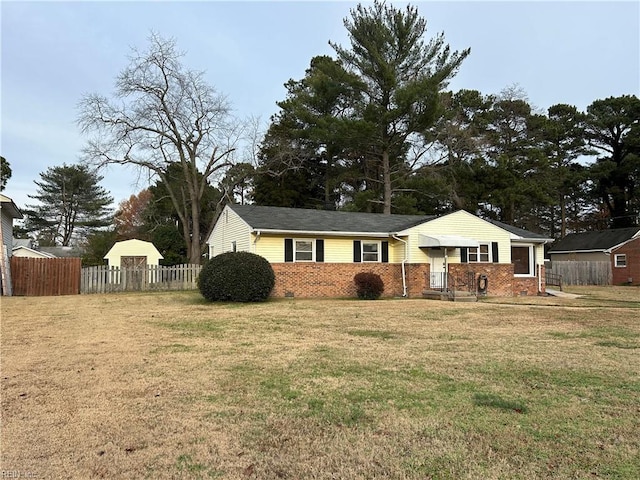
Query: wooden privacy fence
(45,276)
(583,272)
(103,279)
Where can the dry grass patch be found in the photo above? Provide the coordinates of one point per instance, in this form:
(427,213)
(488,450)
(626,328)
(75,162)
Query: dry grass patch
(167,386)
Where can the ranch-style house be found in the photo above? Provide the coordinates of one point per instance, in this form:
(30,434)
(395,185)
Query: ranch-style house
(316,253)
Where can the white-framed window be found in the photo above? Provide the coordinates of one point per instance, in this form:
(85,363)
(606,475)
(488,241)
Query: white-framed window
(620,260)
(523,260)
(303,250)
(481,253)
(370,251)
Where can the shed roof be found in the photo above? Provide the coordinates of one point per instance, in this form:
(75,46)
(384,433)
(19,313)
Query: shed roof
(308,220)
(22,242)
(599,241)
(37,253)
(133,247)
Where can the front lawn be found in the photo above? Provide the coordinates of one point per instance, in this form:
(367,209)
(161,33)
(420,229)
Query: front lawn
(164,385)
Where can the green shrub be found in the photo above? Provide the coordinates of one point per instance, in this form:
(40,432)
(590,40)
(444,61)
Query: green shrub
(236,277)
(369,285)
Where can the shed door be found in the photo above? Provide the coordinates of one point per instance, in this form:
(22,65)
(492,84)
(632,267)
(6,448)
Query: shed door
(133,262)
(133,271)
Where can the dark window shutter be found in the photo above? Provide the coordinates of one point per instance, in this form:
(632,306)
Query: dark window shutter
(464,255)
(385,252)
(357,251)
(319,250)
(288,249)
(494,251)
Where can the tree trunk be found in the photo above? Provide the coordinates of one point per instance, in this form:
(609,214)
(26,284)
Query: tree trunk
(563,216)
(386,179)
(196,249)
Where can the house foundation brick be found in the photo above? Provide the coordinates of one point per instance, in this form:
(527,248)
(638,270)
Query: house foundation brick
(308,280)
(335,280)
(501,281)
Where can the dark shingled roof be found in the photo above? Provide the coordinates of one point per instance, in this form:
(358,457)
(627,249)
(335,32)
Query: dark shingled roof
(598,241)
(298,219)
(521,232)
(63,252)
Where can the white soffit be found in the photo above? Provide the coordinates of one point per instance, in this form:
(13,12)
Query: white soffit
(443,241)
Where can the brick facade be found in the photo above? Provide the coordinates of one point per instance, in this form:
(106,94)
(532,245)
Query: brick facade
(336,279)
(306,280)
(500,279)
(622,275)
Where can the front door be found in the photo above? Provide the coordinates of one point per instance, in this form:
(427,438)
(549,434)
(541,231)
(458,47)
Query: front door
(438,269)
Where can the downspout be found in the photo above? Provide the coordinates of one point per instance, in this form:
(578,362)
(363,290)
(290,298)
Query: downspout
(446,270)
(404,274)
(255,247)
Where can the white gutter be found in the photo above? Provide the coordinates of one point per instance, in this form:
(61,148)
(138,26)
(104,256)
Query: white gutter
(542,241)
(406,258)
(324,233)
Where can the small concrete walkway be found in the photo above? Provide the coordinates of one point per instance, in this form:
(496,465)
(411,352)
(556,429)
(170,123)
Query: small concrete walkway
(558,293)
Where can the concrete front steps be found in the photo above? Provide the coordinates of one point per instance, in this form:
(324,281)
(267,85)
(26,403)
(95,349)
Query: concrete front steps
(453,296)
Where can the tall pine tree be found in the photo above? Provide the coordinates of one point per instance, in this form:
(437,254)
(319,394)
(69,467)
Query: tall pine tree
(71,205)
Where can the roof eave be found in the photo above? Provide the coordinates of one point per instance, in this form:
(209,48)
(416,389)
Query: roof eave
(531,240)
(601,250)
(271,231)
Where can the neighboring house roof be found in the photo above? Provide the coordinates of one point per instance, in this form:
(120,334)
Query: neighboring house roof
(9,207)
(600,241)
(22,251)
(281,219)
(63,252)
(22,242)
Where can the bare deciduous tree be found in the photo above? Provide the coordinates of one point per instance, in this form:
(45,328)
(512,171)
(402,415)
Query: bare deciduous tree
(162,114)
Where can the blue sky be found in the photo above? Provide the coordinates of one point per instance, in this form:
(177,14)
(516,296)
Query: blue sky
(54,52)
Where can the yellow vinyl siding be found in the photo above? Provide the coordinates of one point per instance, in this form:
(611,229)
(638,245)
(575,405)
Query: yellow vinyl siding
(539,254)
(462,224)
(396,251)
(336,249)
(229,228)
(269,247)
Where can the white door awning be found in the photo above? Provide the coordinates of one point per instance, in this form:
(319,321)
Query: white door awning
(445,241)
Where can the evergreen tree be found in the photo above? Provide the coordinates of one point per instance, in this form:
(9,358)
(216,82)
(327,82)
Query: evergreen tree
(401,77)
(5,173)
(613,130)
(312,132)
(71,204)
(163,225)
(96,245)
(563,140)
(459,140)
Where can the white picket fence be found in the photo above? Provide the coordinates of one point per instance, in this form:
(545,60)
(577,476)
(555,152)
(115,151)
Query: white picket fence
(103,279)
